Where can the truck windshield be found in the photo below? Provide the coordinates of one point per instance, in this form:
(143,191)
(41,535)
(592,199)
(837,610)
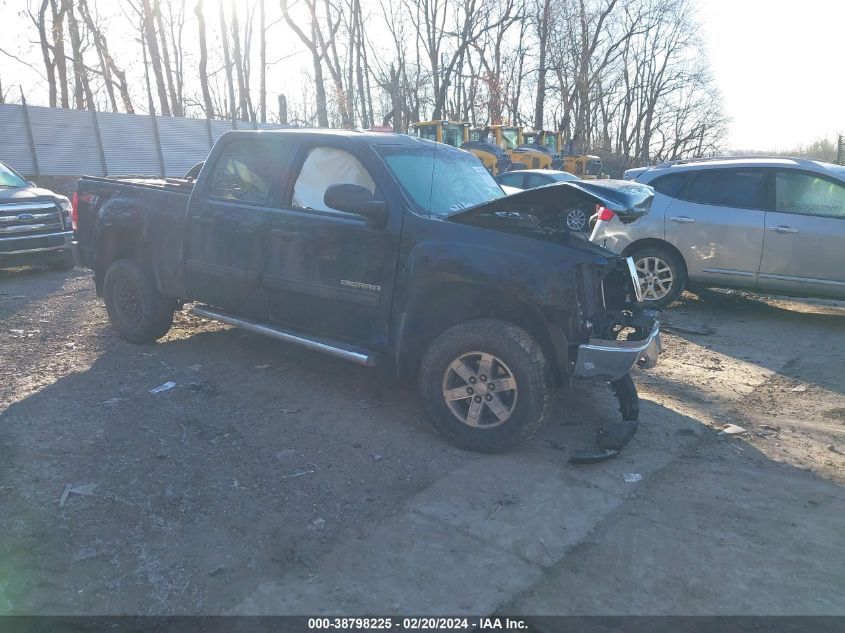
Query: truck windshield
(440,181)
(9,179)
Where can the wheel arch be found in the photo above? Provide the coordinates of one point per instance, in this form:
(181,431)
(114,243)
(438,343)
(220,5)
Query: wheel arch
(655,242)
(117,243)
(442,307)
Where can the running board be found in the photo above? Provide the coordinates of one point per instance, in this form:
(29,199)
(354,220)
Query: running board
(354,354)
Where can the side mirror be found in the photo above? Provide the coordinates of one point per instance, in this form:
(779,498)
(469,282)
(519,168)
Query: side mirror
(356,199)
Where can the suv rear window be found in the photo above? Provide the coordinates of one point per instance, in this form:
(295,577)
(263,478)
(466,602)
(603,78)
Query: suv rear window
(741,188)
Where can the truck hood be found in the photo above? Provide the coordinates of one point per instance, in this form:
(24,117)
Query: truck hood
(629,200)
(26,194)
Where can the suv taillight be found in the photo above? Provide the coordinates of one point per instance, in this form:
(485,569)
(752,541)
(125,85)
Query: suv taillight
(74,214)
(604,213)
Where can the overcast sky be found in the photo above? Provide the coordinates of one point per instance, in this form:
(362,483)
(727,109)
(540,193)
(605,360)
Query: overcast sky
(777,63)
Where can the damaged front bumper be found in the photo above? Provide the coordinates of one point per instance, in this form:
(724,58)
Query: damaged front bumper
(614,359)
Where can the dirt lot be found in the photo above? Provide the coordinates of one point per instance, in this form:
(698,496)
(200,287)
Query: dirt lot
(276,480)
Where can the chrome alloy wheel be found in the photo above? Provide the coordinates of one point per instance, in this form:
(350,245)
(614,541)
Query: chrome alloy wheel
(655,277)
(576,220)
(480,390)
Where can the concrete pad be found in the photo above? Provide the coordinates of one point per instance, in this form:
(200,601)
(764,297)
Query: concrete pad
(412,564)
(532,510)
(695,546)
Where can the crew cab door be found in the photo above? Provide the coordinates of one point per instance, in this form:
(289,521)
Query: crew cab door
(328,272)
(228,218)
(717,224)
(805,234)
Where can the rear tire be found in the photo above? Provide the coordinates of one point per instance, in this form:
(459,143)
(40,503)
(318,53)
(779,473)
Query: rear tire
(653,264)
(67,262)
(137,310)
(485,385)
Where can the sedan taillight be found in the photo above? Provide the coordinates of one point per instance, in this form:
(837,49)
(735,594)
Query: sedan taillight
(604,213)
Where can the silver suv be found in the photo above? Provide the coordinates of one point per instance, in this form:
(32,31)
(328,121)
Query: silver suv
(771,224)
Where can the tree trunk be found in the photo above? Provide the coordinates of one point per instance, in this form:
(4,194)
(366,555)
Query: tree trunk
(227,63)
(543,33)
(155,58)
(262,60)
(165,56)
(81,87)
(311,44)
(49,64)
(58,7)
(239,65)
(203,63)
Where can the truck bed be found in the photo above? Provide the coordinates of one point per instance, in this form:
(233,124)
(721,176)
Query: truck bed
(180,185)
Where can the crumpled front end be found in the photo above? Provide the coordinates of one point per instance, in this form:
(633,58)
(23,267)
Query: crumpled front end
(620,331)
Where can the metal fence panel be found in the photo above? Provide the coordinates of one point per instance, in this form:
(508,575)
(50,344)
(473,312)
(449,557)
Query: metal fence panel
(218,128)
(14,142)
(184,143)
(128,143)
(65,142)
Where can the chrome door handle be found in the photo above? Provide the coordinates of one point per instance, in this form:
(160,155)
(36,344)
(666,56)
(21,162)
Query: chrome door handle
(682,219)
(783,229)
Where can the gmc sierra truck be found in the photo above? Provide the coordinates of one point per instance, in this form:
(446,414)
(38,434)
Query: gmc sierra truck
(383,248)
(35,224)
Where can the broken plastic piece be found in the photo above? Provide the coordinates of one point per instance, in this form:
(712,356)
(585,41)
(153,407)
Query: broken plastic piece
(632,478)
(732,429)
(165,387)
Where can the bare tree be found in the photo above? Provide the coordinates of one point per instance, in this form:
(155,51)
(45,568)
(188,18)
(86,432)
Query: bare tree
(311,42)
(230,84)
(203,61)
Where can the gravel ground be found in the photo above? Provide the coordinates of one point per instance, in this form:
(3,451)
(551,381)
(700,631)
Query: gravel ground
(271,479)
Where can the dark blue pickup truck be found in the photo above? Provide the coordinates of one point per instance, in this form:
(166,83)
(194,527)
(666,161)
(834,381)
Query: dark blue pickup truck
(382,248)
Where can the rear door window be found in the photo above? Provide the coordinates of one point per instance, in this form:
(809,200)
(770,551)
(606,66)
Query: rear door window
(246,172)
(738,188)
(808,194)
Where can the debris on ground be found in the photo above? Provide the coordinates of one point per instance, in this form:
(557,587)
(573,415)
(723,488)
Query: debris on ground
(317,525)
(196,367)
(86,490)
(111,402)
(262,367)
(376,458)
(301,473)
(64,495)
(799,389)
(732,429)
(632,478)
(165,387)
(370,403)
(290,410)
(832,448)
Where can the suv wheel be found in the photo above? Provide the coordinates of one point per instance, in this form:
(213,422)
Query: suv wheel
(661,273)
(137,310)
(485,385)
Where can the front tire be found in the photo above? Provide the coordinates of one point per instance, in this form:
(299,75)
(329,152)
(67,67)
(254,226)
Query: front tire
(662,275)
(485,385)
(137,310)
